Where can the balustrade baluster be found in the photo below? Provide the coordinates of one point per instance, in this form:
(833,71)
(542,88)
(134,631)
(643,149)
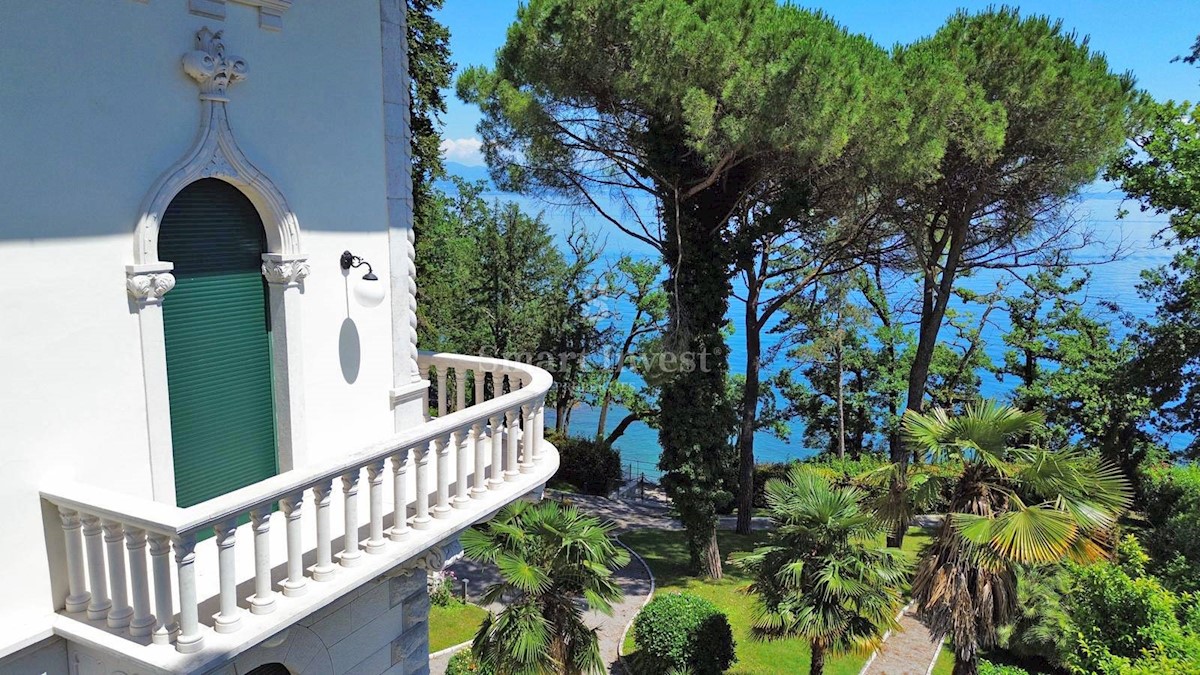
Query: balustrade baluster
(513,435)
(539,431)
(351,556)
(263,600)
(444,444)
(97,581)
(421,456)
(165,627)
(375,542)
(497,473)
(190,638)
(480,483)
(442,394)
(77,594)
(463,444)
(528,436)
(295,584)
(324,569)
(460,388)
(229,618)
(114,539)
(479,388)
(399,496)
(135,546)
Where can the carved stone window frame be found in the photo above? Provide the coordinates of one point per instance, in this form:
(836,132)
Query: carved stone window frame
(215,154)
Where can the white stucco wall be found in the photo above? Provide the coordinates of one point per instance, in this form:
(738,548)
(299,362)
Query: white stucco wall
(94,106)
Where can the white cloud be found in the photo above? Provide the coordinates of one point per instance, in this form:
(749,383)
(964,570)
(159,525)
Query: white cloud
(463,150)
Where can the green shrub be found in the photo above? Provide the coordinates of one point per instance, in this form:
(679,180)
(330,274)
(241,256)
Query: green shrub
(764,473)
(464,663)
(679,632)
(988,668)
(593,467)
(1171,500)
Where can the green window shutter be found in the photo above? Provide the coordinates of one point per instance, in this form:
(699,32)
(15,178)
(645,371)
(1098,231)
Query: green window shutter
(218,342)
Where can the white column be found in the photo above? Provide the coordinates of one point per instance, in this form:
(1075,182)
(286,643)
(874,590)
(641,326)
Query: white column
(460,388)
(375,541)
(165,627)
(351,555)
(463,444)
(263,600)
(528,434)
(114,540)
(478,385)
(135,546)
(443,444)
(284,275)
(479,485)
(77,594)
(497,431)
(441,386)
(421,456)
(190,639)
(100,604)
(229,619)
(295,584)
(324,569)
(513,434)
(399,496)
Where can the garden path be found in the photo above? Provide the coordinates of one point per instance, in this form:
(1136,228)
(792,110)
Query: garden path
(908,651)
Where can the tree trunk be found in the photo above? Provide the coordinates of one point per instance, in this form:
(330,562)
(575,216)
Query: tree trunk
(817,665)
(604,403)
(841,402)
(966,666)
(712,557)
(749,413)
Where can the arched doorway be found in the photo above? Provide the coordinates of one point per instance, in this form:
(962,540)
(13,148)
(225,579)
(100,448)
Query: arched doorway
(218,343)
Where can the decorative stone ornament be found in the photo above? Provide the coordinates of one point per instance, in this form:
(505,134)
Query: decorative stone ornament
(278,270)
(150,287)
(211,68)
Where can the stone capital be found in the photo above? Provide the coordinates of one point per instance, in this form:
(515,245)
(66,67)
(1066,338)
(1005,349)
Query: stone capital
(147,284)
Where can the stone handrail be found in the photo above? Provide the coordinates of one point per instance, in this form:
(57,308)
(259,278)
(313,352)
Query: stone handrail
(106,533)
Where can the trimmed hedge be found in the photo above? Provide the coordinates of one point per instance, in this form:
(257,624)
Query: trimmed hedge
(592,467)
(679,632)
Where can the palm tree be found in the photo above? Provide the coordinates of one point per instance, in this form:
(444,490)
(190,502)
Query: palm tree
(1011,505)
(823,576)
(550,557)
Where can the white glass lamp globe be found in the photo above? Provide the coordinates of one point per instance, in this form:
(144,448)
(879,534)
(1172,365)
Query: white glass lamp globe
(369,292)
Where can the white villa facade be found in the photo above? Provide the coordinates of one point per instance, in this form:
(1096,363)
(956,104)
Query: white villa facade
(214,420)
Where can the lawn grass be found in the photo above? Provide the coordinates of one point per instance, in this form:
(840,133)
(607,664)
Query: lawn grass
(666,553)
(945,662)
(452,624)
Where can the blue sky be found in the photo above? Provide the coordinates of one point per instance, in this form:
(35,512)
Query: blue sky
(1139,36)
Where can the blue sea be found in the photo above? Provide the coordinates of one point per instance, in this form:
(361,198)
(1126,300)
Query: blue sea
(1112,282)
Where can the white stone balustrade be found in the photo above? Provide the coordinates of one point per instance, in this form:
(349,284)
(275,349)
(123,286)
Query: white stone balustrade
(479,456)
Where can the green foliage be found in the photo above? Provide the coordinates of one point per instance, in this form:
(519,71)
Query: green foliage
(591,466)
(465,663)
(682,633)
(441,589)
(1171,502)
(429,71)
(988,668)
(822,576)
(1012,505)
(549,556)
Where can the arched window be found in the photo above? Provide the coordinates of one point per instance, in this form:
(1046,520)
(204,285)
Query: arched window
(218,343)
(270,669)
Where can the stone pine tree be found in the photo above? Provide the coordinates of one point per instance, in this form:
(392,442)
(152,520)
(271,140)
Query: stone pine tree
(1026,114)
(429,72)
(669,117)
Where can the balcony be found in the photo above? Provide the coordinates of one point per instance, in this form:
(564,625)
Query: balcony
(229,573)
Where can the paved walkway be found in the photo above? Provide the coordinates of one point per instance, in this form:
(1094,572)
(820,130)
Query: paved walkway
(908,651)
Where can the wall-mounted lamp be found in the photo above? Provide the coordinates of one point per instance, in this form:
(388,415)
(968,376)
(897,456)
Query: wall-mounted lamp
(369,292)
